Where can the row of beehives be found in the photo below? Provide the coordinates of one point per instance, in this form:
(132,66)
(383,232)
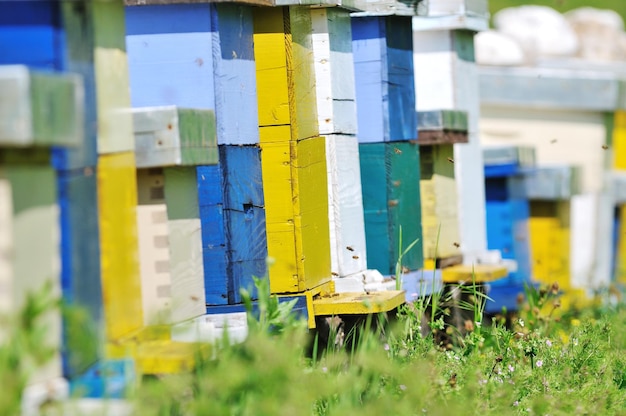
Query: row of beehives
(285,131)
(242,143)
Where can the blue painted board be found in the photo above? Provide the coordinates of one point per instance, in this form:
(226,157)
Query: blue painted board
(234,74)
(110,379)
(216,276)
(508,169)
(170,55)
(421,283)
(31,34)
(384,78)
(242,177)
(80,257)
(299,309)
(504,297)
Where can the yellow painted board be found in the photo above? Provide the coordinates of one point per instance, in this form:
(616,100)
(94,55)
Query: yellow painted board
(296,205)
(115,124)
(358,303)
(479,273)
(620,266)
(121,282)
(284,58)
(619,140)
(270,57)
(549,242)
(169,357)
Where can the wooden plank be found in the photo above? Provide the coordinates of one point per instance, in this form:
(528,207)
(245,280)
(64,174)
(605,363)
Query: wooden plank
(345,205)
(242,176)
(358,303)
(6,244)
(235,74)
(186,269)
(170,55)
(479,273)
(270,53)
(80,259)
(115,126)
(285,70)
(438,189)
(154,262)
(620,261)
(391,197)
(157,2)
(27,119)
(172,136)
(296,204)
(383,61)
(334,70)
(34,228)
(121,282)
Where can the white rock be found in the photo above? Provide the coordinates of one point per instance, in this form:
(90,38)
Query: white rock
(495,48)
(541,31)
(600,33)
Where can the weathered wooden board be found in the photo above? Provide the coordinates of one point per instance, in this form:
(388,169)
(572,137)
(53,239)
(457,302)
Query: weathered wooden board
(121,282)
(233,222)
(619,140)
(345,205)
(173,136)
(334,70)
(446,78)
(391,200)
(186,269)
(234,72)
(384,77)
(154,262)
(32,216)
(441,127)
(170,55)
(296,205)
(38,108)
(80,258)
(440,219)
(283,49)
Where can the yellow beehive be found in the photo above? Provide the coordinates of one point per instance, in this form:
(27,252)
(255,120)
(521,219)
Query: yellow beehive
(121,283)
(296,206)
(619,140)
(550,242)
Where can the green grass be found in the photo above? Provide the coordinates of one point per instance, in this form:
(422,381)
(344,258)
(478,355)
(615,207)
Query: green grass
(574,363)
(562,5)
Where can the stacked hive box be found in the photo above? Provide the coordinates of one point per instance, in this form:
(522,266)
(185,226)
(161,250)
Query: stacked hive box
(619,197)
(507,213)
(550,191)
(78,37)
(566,114)
(446,79)
(390,165)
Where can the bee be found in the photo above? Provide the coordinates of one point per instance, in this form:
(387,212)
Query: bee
(334,274)
(392,202)
(450,160)
(605,147)
(452,380)
(350,248)
(553,141)
(194,298)
(455,244)
(398,151)
(355,257)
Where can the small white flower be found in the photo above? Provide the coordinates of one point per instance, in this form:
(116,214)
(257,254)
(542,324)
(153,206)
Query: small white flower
(386,347)
(539,363)
(478,324)
(324,369)
(548,343)
(521,323)
(482,382)
(402,387)
(516,403)
(511,368)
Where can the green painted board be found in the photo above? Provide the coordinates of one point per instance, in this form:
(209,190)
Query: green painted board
(181,193)
(391,199)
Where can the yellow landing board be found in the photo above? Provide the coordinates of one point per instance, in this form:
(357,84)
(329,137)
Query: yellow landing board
(296,206)
(480,273)
(358,303)
(121,282)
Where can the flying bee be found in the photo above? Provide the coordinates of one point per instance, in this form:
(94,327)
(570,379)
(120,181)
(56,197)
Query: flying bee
(450,160)
(455,244)
(553,141)
(355,257)
(334,274)
(398,151)
(605,147)
(350,248)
